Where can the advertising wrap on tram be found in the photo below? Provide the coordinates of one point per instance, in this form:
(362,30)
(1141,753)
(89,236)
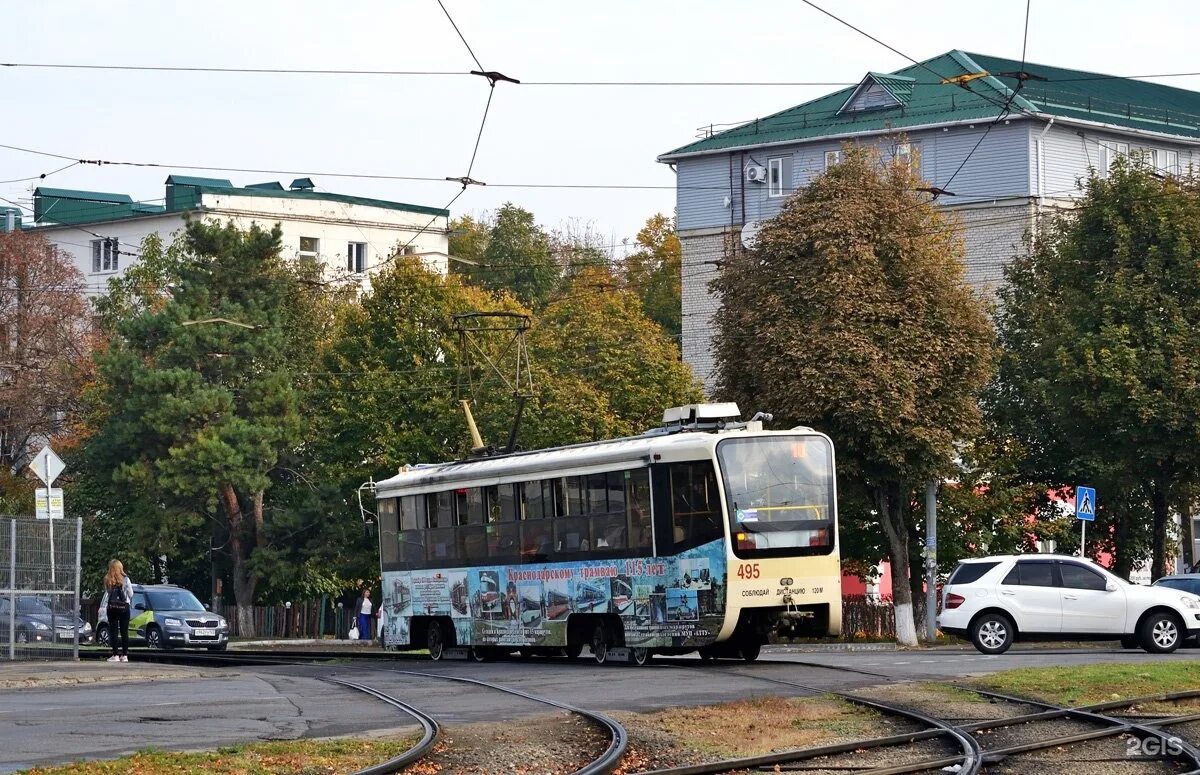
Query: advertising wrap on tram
(663,602)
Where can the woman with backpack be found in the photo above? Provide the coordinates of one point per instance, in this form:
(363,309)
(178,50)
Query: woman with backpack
(120,594)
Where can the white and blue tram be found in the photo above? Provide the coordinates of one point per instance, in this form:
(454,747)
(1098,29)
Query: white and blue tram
(733,527)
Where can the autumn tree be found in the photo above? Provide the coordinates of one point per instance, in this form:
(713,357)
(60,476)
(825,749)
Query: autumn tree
(46,338)
(852,316)
(1100,378)
(653,272)
(595,345)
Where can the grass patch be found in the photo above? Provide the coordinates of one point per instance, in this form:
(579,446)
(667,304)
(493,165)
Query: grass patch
(1086,684)
(764,724)
(291,757)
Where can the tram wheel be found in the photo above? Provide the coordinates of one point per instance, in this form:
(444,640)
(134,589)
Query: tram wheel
(435,641)
(750,650)
(573,650)
(706,654)
(640,656)
(481,654)
(600,643)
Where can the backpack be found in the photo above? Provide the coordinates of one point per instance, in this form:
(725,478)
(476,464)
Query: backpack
(116,597)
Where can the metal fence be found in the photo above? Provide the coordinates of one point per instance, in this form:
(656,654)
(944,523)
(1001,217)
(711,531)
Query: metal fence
(39,589)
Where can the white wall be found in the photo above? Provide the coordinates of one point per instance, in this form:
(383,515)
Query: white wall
(334,224)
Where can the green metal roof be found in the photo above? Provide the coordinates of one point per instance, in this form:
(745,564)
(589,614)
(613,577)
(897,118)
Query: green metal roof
(188,180)
(272,185)
(899,86)
(67,206)
(86,196)
(1069,94)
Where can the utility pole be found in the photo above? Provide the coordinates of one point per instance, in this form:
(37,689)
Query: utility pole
(931,560)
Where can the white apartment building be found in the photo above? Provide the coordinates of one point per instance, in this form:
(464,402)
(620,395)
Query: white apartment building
(346,234)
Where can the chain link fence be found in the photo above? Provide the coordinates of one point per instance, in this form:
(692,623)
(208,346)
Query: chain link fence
(40,563)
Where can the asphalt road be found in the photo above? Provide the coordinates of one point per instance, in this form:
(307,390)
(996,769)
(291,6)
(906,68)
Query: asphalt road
(59,724)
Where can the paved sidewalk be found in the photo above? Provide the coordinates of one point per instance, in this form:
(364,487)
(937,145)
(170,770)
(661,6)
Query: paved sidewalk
(25,675)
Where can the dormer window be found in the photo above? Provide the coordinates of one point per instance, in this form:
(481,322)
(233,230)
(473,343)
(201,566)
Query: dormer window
(879,91)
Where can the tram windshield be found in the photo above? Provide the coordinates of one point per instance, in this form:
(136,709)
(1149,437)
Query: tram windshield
(780,494)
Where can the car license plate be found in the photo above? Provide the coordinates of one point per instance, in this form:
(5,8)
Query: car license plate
(205,633)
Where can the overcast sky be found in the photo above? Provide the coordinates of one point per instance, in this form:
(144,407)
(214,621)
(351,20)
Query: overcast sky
(426,126)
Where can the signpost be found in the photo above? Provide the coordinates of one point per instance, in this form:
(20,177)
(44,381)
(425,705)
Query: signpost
(1085,509)
(48,466)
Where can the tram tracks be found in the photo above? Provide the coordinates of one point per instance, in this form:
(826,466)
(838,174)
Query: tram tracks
(1031,735)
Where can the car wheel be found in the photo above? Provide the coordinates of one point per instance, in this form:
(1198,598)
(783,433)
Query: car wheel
(640,656)
(1129,642)
(1159,633)
(992,633)
(22,636)
(600,643)
(434,641)
(155,639)
(102,635)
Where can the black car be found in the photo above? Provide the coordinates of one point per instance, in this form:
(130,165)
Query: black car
(36,622)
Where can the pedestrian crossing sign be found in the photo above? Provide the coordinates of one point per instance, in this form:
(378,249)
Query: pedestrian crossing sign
(1085,503)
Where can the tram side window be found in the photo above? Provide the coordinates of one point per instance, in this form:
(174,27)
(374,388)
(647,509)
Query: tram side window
(389,538)
(572,530)
(412,530)
(695,505)
(606,501)
(503,530)
(638,500)
(472,535)
(440,507)
(537,512)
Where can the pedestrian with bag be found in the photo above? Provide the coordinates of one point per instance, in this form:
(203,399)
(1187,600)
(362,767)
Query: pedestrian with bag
(364,608)
(120,595)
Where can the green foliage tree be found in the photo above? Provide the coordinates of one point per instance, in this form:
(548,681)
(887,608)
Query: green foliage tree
(198,394)
(852,316)
(517,256)
(468,241)
(1100,327)
(653,271)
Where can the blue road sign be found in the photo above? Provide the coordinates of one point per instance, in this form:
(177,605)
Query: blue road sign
(1085,503)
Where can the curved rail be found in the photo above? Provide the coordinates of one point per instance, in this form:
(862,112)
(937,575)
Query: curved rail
(1172,746)
(418,751)
(602,765)
(968,761)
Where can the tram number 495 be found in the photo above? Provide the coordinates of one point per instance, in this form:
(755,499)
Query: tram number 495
(748,570)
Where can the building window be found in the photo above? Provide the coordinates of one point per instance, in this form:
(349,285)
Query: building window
(774,177)
(310,248)
(1109,152)
(1164,161)
(356,257)
(105,254)
(906,153)
(833,158)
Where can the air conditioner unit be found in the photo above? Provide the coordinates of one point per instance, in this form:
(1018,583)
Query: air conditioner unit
(756,174)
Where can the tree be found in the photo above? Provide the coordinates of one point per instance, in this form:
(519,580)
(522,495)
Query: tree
(468,241)
(1100,373)
(200,403)
(852,316)
(596,338)
(653,271)
(518,257)
(46,338)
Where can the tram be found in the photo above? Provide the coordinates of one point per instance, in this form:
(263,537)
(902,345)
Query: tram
(558,604)
(590,598)
(622,595)
(733,527)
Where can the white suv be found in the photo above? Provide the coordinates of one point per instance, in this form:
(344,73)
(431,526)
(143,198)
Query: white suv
(996,600)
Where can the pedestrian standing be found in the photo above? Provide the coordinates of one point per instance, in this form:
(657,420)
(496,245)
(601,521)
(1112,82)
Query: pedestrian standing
(120,594)
(364,608)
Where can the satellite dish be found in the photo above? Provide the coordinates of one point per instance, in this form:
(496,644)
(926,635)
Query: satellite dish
(750,234)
